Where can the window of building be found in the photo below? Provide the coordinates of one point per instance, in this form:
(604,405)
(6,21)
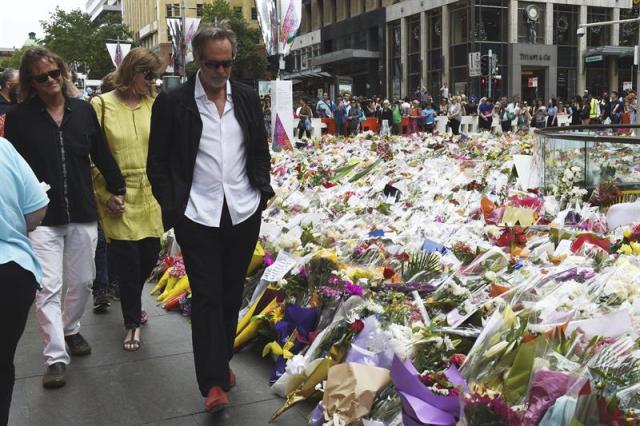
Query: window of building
(396,64)
(237,10)
(565,24)
(629,32)
(434,51)
(598,36)
(459,25)
(200,9)
(491,21)
(254,13)
(435,30)
(413,53)
(173,10)
(531,21)
(321,12)
(333,10)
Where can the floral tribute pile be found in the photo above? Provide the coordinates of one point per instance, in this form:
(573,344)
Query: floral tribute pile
(411,280)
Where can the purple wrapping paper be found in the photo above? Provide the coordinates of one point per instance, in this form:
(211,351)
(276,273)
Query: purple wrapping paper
(317,415)
(418,402)
(546,387)
(304,320)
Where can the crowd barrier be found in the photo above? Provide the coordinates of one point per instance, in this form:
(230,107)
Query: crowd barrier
(468,124)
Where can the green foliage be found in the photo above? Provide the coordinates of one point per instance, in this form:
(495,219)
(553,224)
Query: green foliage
(251,58)
(421,267)
(73,36)
(14,60)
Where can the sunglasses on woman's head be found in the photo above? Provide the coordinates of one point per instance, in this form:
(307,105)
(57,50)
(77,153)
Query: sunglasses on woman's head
(43,78)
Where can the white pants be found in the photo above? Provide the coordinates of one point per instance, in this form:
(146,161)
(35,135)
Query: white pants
(63,251)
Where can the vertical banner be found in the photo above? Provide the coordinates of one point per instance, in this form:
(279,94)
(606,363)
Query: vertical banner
(291,14)
(279,23)
(177,43)
(117,52)
(281,114)
(191,26)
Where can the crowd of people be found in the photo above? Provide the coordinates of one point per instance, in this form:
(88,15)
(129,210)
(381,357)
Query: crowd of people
(90,186)
(420,112)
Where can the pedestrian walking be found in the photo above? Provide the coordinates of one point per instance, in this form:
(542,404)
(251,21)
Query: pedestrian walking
(135,228)
(209,167)
(23,203)
(59,137)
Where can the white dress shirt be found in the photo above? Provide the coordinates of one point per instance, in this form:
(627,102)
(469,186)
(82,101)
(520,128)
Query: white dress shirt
(220,171)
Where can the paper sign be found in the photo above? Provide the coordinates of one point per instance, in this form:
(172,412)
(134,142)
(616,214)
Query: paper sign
(518,216)
(627,85)
(532,82)
(283,264)
(527,172)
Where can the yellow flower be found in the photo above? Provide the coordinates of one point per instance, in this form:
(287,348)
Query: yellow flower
(327,254)
(627,233)
(625,249)
(635,247)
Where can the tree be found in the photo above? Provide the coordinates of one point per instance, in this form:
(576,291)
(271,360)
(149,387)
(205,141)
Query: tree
(73,36)
(251,58)
(14,60)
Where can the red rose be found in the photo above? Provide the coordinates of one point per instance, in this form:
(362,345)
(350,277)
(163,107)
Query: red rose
(328,184)
(357,326)
(388,272)
(457,359)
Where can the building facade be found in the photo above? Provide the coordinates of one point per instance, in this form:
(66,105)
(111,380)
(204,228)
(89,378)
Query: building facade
(99,8)
(425,43)
(146,19)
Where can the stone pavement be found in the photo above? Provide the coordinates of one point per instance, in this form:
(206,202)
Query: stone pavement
(153,386)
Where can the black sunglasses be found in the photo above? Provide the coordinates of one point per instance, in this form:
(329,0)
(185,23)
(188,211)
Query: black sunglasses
(43,78)
(214,65)
(150,75)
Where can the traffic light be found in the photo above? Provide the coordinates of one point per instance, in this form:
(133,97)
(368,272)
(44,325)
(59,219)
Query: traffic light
(483,81)
(484,65)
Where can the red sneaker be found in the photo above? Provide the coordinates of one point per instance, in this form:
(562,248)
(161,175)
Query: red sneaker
(216,400)
(232,379)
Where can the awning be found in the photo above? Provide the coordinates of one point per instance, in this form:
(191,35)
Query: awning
(343,55)
(306,74)
(616,51)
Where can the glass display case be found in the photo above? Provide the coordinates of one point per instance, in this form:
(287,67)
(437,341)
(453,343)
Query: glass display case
(589,155)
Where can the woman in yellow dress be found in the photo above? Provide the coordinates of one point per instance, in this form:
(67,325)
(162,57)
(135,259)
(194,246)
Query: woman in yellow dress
(134,227)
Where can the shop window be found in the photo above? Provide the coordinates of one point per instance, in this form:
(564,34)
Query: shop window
(237,11)
(531,22)
(565,25)
(491,23)
(435,30)
(598,36)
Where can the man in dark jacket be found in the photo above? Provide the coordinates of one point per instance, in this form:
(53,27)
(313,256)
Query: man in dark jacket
(8,84)
(59,136)
(209,168)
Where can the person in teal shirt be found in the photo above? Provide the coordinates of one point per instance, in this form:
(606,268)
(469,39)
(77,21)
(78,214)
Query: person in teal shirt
(429,117)
(23,204)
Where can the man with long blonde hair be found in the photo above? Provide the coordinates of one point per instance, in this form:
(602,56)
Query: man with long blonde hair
(59,137)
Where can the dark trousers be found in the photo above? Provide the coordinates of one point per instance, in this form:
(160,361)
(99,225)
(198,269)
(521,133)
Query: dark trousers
(216,261)
(135,261)
(101,283)
(455,126)
(19,292)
